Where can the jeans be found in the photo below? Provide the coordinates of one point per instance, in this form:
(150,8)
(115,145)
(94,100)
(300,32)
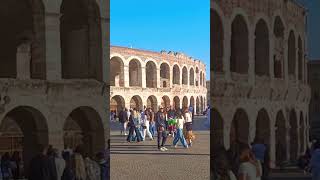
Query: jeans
(146,131)
(135,130)
(123,127)
(152,128)
(162,135)
(180,136)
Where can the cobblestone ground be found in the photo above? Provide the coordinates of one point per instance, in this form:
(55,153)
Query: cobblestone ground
(139,161)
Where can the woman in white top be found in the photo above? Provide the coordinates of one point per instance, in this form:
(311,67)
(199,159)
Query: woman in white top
(188,125)
(249,168)
(179,133)
(145,125)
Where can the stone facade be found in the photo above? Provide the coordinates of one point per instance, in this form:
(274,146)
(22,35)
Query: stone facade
(53,74)
(259,75)
(144,78)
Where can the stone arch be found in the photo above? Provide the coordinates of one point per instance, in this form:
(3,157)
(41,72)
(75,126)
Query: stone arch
(185,102)
(239,132)
(201,104)
(261,48)
(152,103)
(302,133)
(165,74)
(176,74)
(23,40)
(176,103)
(217,127)
(165,101)
(192,103)
(135,73)
(197,76)
(280,138)
(191,77)
(32,125)
(84,126)
(293,135)
(201,78)
(300,59)
(136,102)
(263,128)
(292,53)
(81,39)
(217,41)
(151,74)
(184,75)
(117,103)
(239,59)
(279,40)
(116,71)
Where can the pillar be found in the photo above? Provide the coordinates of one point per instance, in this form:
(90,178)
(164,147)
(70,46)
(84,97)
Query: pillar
(23,61)
(143,77)
(126,75)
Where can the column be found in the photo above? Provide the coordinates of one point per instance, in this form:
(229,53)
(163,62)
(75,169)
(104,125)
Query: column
(271,54)
(105,26)
(285,64)
(251,68)
(171,76)
(53,45)
(126,75)
(158,78)
(143,77)
(227,54)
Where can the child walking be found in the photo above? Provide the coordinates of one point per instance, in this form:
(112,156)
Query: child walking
(179,134)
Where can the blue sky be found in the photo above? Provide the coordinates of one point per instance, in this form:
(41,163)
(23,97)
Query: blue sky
(156,25)
(313,7)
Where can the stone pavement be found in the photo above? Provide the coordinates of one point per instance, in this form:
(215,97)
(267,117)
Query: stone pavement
(143,160)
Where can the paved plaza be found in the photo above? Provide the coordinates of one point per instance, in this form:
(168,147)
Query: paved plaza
(144,161)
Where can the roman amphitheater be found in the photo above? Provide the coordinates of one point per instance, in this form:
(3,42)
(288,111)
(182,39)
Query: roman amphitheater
(141,78)
(259,73)
(54,65)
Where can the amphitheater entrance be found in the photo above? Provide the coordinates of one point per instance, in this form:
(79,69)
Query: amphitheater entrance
(84,127)
(281,142)
(278,58)
(191,77)
(176,103)
(165,101)
(117,103)
(136,103)
(116,72)
(152,103)
(192,102)
(135,78)
(176,74)
(185,102)
(151,75)
(239,132)
(184,76)
(293,135)
(263,127)
(165,75)
(217,129)
(261,49)
(23,129)
(216,40)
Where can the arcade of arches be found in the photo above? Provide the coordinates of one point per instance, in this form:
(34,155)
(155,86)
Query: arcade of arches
(44,58)
(260,88)
(142,78)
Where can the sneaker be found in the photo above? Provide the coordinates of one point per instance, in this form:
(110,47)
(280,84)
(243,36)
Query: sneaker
(165,148)
(125,134)
(162,149)
(175,146)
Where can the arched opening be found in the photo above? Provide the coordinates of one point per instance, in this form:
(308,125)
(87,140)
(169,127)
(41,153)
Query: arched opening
(81,42)
(239,59)
(302,133)
(197,76)
(165,101)
(135,78)
(197,106)
(293,135)
(116,72)
(201,79)
(151,75)
(239,132)
(300,59)
(136,103)
(176,74)
(217,129)
(184,76)
(261,49)
(84,126)
(152,103)
(176,103)
(185,102)
(278,57)
(192,102)
(117,103)
(22,39)
(23,129)
(263,127)
(281,142)
(165,75)
(191,77)
(216,42)
(292,54)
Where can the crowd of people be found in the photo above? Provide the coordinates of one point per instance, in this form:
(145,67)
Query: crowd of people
(51,164)
(167,122)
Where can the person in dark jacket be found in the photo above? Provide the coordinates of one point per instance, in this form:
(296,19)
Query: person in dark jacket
(52,164)
(6,167)
(161,129)
(39,165)
(68,173)
(104,166)
(123,119)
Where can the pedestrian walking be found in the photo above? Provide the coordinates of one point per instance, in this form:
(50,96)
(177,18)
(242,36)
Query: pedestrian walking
(92,168)
(123,119)
(161,129)
(261,153)
(59,163)
(16,163)
(135,124)
(179,127)
(188,126)
(78,164)
(104,167)
(152,126)
(68,173)
(6,167)
(145,125)
(39,165)
(249,169)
